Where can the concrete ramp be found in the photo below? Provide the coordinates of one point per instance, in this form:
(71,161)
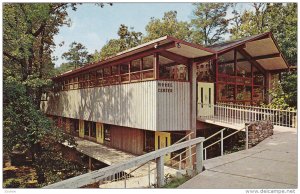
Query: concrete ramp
(111,156)
(270,164)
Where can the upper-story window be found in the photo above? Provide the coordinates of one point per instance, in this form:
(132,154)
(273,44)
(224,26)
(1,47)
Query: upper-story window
(140,69)
(171,70)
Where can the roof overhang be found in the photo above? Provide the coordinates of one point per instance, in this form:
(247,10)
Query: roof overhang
(170,44)
(262,48)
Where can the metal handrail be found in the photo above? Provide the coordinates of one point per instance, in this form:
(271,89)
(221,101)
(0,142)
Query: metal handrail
(126,175)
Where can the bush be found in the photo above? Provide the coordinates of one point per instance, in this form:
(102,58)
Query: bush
(12,183)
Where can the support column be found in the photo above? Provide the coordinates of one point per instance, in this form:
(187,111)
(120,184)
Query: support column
(199,157)
(160,171)
(193,106)
(268,85)
(156,66)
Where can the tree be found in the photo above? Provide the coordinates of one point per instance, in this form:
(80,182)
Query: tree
(29,130)
(77,55)
(127,39)
(209,24)
(28,31)
(168,25)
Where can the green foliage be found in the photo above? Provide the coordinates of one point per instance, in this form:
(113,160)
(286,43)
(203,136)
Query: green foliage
(28,31)
(289,87)
(77,55)
(127,39)
(64,67)
(175,182)
(209,23)
(12,183)
(168,25)
(278,96)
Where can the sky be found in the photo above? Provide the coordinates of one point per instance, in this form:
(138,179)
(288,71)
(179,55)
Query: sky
(94,26)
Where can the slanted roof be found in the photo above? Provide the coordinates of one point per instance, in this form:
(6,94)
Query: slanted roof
(262,48)
(166,43)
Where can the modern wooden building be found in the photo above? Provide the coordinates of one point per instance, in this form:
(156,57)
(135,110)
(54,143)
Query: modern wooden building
(149,96)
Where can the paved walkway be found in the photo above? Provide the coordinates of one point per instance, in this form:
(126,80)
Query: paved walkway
(111,156)
(270,164)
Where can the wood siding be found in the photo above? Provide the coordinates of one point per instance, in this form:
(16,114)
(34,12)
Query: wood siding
(136,105)
(173,108)
(127,139)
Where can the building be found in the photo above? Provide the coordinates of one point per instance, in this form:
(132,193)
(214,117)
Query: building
(149,96)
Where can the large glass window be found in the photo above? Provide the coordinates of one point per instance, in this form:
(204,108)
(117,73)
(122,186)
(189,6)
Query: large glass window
(93,129)
(226,92)
(205,72)
(135,65)
(86,128)
(106,132)
(243,93)
(170,70)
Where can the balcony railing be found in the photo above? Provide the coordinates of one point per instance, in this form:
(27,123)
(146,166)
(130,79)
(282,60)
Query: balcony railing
(240,114)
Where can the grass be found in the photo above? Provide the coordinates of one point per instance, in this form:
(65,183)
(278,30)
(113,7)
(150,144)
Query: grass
(175,182)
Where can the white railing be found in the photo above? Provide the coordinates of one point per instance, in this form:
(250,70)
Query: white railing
(185,155)
(241,114)
(122,176)
(107,173)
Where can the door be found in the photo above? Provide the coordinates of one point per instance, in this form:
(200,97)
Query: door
(68,125)
(100,132)
(205,99)
(81,128)
(162,140)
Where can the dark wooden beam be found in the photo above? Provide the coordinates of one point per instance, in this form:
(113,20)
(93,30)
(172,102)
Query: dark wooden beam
(174,57)
(249,58)
(204,59)
(254,58)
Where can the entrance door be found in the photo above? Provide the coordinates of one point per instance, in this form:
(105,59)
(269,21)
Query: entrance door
(100,132)
(205,99)
(81,128)
(162,140)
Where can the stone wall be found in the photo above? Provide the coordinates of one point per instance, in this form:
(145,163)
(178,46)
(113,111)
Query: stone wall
(258,131)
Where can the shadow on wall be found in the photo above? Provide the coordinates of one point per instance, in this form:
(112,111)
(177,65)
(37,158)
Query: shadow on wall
(109,104)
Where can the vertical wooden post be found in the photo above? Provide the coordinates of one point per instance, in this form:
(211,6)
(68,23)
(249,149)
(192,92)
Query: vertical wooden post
(90,164)
(149,173)
(160,171)
(129,72)
(156,66)
(217,75)
(252,83)
(199,157)
(222,143)
(193,103)
(235,73)
(247,137)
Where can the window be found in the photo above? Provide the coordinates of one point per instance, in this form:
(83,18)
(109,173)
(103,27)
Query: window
(124,71)
(86,128)
(92,80)
(135,65)
(205,72)
(93,129)
(107,132)
(148,62)
(170,70)
(106,71)
(226,92)
(243,93)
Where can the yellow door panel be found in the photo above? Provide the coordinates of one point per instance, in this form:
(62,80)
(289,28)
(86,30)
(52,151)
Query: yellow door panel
(205,99)
(100,133)
(67,125)
(81,128)
(162,140)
